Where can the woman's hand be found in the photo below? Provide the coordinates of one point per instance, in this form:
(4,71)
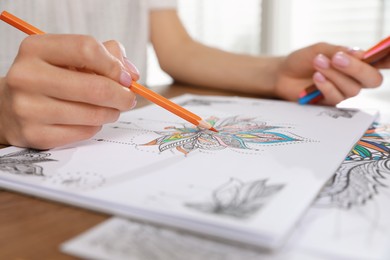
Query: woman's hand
(338,72)
(63,88)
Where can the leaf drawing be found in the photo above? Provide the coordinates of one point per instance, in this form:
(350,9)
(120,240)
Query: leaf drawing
(238,199)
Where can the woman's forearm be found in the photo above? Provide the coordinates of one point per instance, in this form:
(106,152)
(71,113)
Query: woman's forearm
(205,66)
(189,61)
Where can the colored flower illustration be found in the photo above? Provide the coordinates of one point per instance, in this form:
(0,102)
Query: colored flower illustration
(234,132)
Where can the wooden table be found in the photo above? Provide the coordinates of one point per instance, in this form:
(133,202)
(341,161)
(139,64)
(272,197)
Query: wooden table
(33,228)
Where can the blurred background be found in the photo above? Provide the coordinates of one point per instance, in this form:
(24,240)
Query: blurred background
(278,27)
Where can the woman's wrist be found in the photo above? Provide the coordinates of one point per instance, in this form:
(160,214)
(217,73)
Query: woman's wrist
(269,70)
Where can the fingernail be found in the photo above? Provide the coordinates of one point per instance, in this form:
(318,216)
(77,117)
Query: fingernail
(134,104)
(340,59)
(133,69)
(318,77)
(353,50)
(125,79)
(321,61)
(123,50)
(129,65)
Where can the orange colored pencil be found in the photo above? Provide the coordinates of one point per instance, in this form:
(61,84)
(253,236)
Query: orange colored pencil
(135,87)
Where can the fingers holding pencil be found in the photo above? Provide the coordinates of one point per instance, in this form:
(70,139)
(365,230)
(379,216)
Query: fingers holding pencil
(57,69)
(87,45)
(43,63)
(42,99)
(354,67)
(343,75)
(81,52)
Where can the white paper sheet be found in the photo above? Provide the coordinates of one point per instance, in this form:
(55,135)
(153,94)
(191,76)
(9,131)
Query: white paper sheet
(251,182)
(350,219)
(351,216)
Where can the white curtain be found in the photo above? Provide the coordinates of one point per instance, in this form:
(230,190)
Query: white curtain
(355,23)
(228,24)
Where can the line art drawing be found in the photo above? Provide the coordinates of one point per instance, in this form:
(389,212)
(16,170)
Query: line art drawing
(203,102)
(128,239)
(360,178)
(24,162)
(238,199)
(240,133)
(338,112)
(77,180)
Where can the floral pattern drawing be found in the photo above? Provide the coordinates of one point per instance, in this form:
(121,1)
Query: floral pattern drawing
(238,199)
(240,133)
(362,175)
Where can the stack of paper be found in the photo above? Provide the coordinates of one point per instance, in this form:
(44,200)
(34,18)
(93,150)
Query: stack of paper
(249,183)
(348,220)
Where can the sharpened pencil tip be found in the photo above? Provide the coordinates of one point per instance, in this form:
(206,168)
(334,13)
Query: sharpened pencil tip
(213,129)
